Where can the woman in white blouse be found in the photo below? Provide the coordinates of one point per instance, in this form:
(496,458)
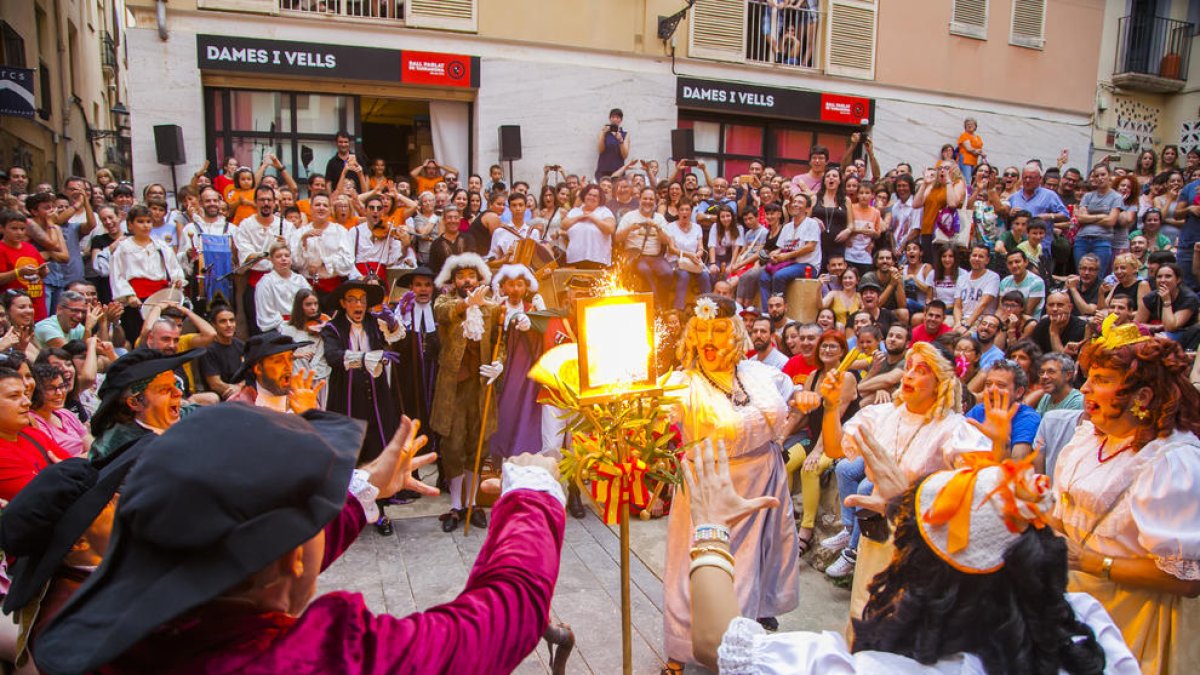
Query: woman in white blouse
(1128,494)
(589,229)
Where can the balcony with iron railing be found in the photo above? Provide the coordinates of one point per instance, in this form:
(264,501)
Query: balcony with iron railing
(1152,54)
(388,10)
(108,53)
(783,33)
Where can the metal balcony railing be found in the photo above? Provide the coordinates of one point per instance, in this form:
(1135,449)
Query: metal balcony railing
(785,33)
(392,10)
(108,51)
(1154,46)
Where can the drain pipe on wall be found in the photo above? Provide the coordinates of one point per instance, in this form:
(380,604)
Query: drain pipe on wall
(160,16)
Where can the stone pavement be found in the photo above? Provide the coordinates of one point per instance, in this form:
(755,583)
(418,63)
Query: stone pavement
(421,566)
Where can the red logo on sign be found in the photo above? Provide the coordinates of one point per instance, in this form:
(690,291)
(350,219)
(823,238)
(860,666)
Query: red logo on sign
(845,109)
(446,70)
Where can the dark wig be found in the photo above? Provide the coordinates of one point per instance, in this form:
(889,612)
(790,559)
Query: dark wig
(1015,620)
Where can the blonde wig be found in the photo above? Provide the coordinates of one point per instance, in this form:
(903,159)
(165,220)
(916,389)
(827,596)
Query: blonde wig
(949,388)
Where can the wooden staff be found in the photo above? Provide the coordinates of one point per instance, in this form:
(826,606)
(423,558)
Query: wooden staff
(487,408)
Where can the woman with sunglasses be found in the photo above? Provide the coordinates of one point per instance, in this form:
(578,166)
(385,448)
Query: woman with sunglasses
(49,415)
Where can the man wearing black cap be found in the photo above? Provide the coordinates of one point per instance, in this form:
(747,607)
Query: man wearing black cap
(358,347)
(141,395)
(233,596)
(267,366)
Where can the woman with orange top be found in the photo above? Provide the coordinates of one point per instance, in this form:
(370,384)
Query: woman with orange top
(378,180)
(942,188)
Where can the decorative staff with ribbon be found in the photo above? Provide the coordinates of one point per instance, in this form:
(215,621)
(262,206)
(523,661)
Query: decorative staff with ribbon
(617,484)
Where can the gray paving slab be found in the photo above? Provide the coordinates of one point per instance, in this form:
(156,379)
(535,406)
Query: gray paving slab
(420,566)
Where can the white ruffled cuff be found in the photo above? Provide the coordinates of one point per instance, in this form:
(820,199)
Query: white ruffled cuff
(373,362)
(735,655)
(365,493)
(1185,570)
(473,324)
(352,359)
(395,336)
(520,477)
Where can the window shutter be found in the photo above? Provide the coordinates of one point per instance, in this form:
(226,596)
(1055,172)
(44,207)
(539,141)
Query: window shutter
(969,18)
(457,15)
(850,40)
(717,30)
(1028,24)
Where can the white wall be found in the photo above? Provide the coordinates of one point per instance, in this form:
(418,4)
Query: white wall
(164,88)
(915,132)
(561,108)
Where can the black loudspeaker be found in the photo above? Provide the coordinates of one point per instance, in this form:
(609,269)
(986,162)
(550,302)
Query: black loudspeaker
(683,144)
(510,142)
(168,143)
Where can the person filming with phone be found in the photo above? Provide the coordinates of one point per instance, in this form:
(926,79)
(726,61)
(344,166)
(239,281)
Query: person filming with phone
(613,145)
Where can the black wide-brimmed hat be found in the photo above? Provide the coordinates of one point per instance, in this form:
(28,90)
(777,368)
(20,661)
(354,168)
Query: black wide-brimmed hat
(333,301)
(260,346)
(139,364)
(405,280)
(51,513)
(214,500)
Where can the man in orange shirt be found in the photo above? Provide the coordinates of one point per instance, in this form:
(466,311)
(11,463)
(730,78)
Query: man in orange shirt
(429,174)
(970,149)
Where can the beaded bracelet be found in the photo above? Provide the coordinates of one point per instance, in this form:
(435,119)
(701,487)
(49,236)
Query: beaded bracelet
(709,532)
(710,560)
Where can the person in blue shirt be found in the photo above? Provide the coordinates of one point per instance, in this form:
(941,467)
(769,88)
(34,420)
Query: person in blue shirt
(1040,202)
(1009,377)
(1190,234)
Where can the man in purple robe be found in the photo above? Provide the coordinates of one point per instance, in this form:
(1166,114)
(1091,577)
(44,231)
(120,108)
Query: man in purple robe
(214,558)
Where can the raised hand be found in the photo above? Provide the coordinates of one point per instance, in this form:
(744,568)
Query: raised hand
(391,472)
(714,500)
(998,413)
(303,395)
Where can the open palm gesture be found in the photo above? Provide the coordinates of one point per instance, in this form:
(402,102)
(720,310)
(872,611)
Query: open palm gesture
(714,499)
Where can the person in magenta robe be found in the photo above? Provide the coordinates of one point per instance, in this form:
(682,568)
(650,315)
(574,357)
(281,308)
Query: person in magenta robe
(214,558)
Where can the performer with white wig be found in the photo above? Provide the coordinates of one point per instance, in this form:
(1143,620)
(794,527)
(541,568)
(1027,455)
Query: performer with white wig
(520,347)
(465,318)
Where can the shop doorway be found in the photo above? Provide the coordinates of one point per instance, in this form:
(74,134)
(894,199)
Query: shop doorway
(397,131)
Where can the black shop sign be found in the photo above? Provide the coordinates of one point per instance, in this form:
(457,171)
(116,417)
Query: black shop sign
(793,104)
(281,57)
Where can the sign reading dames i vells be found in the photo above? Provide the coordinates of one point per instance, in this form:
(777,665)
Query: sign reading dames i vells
(793,104)
(342,62)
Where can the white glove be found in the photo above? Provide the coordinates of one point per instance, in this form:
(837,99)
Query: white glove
(491,371)
(523,323)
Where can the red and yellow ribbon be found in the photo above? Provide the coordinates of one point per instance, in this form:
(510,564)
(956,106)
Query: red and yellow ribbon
(954,501)
(618,484)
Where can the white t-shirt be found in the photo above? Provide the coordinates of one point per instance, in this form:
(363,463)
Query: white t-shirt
(641,238)
(585,241)
(688,242)
(973,290)
(793,235)
(948,290)
(724,246)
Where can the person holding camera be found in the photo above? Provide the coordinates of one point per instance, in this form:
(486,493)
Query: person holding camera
(643,242)
(344,165)
(613,145)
